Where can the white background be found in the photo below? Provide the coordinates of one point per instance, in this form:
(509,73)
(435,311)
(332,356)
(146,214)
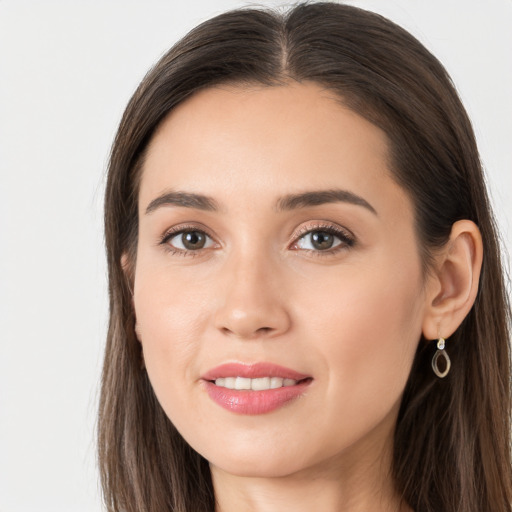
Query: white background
(67,69)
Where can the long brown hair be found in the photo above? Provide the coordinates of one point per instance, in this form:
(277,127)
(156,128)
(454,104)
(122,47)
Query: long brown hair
(452,439)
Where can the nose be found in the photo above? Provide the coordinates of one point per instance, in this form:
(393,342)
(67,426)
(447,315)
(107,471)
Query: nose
(251,301)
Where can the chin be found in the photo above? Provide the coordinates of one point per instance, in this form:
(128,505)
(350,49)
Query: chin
(250,468)
(270,462)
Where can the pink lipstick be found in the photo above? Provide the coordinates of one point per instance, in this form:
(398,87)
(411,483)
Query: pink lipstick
(254,388)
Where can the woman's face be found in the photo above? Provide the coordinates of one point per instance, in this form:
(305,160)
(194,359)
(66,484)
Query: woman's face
(274,246)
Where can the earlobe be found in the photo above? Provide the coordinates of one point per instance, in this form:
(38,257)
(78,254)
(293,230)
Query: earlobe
(454,284)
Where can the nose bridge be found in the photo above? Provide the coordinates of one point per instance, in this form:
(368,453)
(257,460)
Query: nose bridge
(252,304)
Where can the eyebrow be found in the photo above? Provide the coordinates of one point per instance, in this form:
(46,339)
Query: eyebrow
(185,200)
(285,203)
(318,197)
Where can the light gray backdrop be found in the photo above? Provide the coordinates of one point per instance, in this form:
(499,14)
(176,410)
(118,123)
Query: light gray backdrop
(67,69)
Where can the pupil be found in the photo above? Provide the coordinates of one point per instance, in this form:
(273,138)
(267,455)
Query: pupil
(322,240)
(193,240)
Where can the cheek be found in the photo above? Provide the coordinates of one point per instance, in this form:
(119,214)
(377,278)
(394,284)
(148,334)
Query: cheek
(170,315)
(169,325)
(362,329)
(368,325)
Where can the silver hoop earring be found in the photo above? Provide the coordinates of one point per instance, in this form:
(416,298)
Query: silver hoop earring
(441,353)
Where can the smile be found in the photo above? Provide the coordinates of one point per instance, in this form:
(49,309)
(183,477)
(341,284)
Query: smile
(254,388)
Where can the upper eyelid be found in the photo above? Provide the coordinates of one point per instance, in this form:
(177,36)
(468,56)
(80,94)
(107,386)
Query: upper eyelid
(181,228)
(328,226)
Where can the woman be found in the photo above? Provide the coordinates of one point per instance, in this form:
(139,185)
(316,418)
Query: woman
(307,303)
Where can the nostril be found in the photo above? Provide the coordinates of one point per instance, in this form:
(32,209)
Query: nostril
(264,330)
(249,334)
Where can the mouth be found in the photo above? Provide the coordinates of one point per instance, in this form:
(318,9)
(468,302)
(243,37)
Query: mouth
(255,388)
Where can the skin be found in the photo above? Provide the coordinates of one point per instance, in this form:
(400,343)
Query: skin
(350,317)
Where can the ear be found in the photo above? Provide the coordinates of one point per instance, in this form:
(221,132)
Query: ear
(453,286)
(126,265)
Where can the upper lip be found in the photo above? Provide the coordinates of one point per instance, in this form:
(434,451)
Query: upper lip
(252,371)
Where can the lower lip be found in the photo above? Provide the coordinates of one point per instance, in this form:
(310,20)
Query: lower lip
(254,402)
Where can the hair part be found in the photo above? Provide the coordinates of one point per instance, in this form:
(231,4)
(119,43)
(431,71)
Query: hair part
(452,440)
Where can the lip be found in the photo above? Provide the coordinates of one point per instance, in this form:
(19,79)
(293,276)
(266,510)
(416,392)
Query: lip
(252,402)
(252,371)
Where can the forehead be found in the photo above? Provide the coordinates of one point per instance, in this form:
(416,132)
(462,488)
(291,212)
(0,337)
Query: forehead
(263,141)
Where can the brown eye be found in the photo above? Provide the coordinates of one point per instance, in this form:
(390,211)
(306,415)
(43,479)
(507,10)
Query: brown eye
(318,241)
(191,240)
(321,240)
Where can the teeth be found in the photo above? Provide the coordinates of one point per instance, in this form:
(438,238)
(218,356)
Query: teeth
(276,382)
(242,383)
(229,382)
(259,384)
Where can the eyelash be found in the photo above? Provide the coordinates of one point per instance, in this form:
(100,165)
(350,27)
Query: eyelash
(168,235)
(346,238)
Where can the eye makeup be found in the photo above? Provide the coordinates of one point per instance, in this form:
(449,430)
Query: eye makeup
(319,239)
(320,233)
(193,234)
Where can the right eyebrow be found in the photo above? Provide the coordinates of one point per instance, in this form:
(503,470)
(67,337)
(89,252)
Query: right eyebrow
(183,199)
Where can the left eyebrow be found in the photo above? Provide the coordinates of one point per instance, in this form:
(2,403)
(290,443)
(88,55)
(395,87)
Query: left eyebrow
(319,197)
